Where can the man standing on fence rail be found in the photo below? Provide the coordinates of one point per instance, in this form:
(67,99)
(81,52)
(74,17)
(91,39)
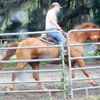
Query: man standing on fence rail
(51,23)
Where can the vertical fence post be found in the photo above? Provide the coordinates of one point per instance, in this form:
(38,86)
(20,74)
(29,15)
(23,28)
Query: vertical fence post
(63,80)
(70,71)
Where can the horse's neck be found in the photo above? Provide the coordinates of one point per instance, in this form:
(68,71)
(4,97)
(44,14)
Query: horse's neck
(79,37)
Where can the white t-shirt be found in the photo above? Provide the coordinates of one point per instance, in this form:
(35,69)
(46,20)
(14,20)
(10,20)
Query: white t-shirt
(48,24)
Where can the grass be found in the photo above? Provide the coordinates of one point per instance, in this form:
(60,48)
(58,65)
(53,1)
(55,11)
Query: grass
(12,58)
(92,54)
(9,65)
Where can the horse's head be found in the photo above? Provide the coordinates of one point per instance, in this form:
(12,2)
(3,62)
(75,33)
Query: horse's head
(93,35)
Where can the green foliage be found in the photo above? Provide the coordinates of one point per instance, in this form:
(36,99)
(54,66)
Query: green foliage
(96,12)
(43,64)
(91,54)
(36,11)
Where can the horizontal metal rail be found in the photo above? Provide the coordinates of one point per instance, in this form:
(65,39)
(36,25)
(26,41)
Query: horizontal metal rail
(84,88)
(85,44)
(83,30)
(34,60)
(92,57)
(44,32)
(9,39)
(44,81)
(29,47)
(31,71)
(26,33)
(36,91)
(94,67)
(76,79)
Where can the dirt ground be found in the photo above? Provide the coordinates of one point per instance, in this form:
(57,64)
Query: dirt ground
(78,95)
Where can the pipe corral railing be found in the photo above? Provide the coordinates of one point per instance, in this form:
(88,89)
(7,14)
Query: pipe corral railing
(53,70)
(72,89)
(62,70)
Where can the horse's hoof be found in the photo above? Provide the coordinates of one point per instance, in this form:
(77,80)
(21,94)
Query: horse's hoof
(95,84)
(10,88)
(67,85)
(44,88)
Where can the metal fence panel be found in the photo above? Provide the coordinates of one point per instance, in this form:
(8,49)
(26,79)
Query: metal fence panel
(35,60)
(72,89)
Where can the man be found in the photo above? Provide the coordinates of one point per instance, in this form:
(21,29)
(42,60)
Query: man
(51,23)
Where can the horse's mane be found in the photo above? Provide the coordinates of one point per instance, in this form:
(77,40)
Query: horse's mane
(84,25)
(78,27)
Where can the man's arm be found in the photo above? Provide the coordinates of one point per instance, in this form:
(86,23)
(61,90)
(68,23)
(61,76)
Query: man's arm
(53,21)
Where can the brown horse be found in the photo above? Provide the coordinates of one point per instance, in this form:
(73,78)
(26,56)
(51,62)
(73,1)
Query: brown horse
(76,51)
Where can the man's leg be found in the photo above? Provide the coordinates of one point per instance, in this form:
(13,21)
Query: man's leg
(57,36)
(60,38)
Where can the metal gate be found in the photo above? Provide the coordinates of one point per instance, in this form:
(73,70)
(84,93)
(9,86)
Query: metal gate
(72,89)
(62,70)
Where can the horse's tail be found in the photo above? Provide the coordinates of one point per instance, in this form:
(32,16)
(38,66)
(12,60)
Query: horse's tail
(8,54)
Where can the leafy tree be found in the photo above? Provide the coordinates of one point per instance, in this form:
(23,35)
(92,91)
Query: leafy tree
(74,12)
(96,12)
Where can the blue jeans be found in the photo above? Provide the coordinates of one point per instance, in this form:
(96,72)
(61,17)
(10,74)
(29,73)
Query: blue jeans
(57,36)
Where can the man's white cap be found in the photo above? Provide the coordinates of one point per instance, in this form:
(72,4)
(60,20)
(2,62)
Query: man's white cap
(56,4)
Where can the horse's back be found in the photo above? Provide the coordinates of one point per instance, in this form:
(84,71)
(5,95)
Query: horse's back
(30,42)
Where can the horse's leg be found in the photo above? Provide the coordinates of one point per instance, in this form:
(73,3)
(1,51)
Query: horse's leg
(81,63)
(20,66)
(35,66)
(72,65)
(9,53)
(73,71)
(7,56)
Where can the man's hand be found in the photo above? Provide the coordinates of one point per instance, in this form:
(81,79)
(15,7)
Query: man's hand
(62,31)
